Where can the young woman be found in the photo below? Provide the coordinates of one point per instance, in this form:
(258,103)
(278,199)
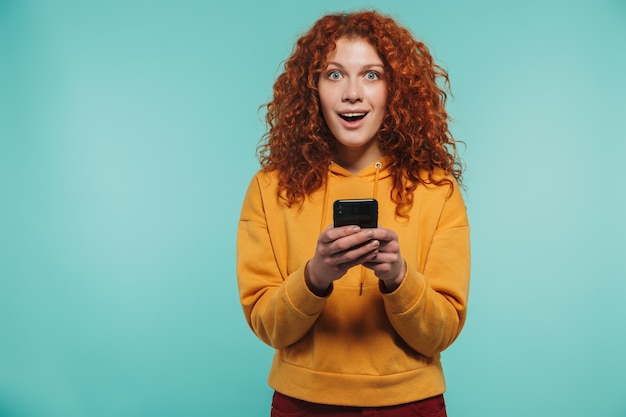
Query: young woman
(358,316)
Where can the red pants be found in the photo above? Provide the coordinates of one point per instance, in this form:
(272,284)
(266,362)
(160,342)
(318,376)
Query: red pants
(284,406)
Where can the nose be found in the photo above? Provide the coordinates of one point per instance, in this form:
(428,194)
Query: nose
(353,92)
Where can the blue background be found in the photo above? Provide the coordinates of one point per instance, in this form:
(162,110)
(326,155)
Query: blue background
(127,139)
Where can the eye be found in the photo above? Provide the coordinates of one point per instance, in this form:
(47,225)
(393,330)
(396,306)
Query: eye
(334,75)
(372,75)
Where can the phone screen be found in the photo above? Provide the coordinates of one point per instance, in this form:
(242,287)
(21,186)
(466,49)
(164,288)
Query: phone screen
(362,212)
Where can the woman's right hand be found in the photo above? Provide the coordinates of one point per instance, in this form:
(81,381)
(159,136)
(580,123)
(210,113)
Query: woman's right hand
(338,249)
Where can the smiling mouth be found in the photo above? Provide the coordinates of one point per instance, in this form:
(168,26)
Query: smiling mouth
(352,117)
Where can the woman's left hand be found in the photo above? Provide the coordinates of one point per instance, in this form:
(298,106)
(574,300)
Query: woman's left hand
(388,265)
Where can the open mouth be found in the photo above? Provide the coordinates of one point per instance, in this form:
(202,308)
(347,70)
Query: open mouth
(352,117)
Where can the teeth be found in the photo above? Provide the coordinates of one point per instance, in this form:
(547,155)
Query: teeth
(353,114)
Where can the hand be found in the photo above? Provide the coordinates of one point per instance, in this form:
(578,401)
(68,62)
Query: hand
(339,249)
(388,264)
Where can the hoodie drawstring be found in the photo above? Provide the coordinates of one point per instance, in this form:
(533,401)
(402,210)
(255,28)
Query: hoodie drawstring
(325,203)
(378,166)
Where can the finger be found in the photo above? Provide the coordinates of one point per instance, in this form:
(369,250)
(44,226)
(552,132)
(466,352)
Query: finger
(385,258)
(357,254)
(390,246)
(362,260)
(352,241)
(333,233)
(383,234)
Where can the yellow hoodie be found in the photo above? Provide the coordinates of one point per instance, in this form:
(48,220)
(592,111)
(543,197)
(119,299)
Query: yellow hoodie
(374,349)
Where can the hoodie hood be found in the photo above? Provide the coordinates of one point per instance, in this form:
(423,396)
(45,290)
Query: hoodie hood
(379,167)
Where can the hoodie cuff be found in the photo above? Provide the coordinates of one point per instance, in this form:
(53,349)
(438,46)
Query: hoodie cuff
(406,295)
(301,297)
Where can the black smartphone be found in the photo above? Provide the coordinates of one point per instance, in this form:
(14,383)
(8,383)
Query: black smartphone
(362,212)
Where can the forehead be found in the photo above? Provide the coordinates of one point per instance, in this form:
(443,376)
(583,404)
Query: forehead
(355,51)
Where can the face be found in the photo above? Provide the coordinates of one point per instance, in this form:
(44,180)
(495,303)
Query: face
(353,96)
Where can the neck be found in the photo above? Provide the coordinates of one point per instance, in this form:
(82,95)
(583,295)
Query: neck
(355,160)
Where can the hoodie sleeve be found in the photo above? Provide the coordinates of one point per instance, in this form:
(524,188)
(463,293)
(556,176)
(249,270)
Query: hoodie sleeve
(279,309)
(428,310)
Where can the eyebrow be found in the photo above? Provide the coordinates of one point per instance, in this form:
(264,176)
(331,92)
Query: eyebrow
(337,64)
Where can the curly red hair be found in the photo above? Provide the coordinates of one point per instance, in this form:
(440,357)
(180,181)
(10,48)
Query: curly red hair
(414,133)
